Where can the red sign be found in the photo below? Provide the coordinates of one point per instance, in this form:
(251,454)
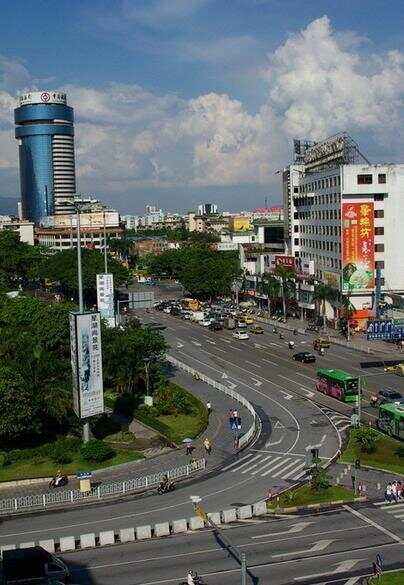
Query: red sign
(358,257)
(286,261)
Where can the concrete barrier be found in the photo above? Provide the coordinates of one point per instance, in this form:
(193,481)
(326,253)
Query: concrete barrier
(87,540)
(179,526)
(196,523)
(260,508)
(244,512)
(162,529)
(27,544)
(229,515)
(143,532)
(107,537)
(67,543)
(127,534)
(48,545)
(215,517)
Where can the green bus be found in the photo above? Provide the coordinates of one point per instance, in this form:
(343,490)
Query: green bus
(391,419)
(338,384)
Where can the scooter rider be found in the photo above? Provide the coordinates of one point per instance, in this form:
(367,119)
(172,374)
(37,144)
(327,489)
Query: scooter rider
(291,344)
(321,351)
(192,578)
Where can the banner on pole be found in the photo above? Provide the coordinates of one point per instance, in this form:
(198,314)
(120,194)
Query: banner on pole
(86,361)
(105,295)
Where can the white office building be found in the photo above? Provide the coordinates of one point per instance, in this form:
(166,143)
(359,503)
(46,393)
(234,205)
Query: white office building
(346,215)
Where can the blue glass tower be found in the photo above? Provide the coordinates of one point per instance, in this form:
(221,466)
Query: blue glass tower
(45,133)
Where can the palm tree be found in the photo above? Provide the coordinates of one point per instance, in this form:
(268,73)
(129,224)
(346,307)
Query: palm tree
(271,287)
(324,293)
(287,281)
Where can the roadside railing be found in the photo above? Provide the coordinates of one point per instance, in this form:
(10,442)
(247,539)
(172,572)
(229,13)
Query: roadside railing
(248,435)
(58,497)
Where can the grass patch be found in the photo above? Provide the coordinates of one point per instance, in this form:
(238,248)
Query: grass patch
(385,456)
(44,467)
(303,496)
(178,426)
(395,578)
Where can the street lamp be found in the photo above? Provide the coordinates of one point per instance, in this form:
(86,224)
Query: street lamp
(241,557)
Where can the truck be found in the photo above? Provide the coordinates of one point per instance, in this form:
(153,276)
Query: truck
(190,304)
(32,565)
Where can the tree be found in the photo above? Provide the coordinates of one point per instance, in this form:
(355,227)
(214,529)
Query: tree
(366,439)
(271,287)
(324,293)
(19,262)
(288,286)
(62,268)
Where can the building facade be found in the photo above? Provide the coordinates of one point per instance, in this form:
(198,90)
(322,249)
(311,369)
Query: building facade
(45,134)
(345,215)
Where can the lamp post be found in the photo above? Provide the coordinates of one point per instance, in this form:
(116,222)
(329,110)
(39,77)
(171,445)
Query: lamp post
(105,245)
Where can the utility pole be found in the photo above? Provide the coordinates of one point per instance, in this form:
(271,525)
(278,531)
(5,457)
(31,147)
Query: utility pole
(86,425)
(359,400)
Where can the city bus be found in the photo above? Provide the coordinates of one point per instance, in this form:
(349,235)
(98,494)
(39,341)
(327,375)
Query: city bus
(391,419)
(338,384)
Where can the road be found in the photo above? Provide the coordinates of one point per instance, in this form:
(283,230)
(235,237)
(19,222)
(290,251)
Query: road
(296,416)
(326,548)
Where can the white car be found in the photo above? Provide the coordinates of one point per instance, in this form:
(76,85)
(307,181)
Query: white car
(241,335)
(205,322)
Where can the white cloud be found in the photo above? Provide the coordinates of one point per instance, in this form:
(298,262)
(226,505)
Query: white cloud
(318,83)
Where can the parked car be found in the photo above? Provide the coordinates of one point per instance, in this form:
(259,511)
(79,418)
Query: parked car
(215,326)
(305,357)
(386,395)
(205,322)
(256,329)
(241,335)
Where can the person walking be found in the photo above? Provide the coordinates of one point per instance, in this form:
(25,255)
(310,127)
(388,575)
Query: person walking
(394,491)
(388,494)
(208,446)
(209,407)
(190,448)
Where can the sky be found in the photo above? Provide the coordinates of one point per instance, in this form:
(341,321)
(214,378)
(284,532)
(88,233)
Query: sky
(183,101)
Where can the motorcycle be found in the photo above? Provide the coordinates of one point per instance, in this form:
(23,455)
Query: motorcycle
(164,488)
(59,481)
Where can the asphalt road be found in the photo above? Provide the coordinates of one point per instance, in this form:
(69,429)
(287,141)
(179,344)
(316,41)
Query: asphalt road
(328,548)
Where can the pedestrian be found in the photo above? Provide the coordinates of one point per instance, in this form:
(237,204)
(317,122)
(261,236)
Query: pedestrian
(235,414)
(399,490)
(394,491)
(231,419)
(236,442)
(360,488)
(209,407)
(208,446)
(190,448)
(388,496)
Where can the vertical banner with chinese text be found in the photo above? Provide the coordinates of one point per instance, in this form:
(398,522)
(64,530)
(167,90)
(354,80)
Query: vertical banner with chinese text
(358,246)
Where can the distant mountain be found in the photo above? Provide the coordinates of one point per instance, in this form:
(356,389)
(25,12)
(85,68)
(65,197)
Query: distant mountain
(8,205)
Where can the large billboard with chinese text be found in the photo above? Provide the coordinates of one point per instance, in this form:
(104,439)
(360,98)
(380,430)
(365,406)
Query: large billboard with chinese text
(358,259)
(86,358)
(105,295)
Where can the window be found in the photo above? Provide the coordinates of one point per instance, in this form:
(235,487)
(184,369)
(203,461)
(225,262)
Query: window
(296,228)
(382,282)
(379,247)
(364,179)
(379,264)
(379,213)
(296,254)
(296,215)
(379,231)
(381,178)
(379,197)
(296,241)
(295,189)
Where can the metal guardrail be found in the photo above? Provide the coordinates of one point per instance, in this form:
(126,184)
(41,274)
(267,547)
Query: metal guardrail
(56,498)
(244,439)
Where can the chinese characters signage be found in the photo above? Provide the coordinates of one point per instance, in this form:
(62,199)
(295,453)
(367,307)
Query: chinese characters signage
(286,261)
(86,360)
(358,246)
(105,295)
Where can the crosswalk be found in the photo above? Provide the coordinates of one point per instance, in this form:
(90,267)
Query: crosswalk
(396,510)
(265,463)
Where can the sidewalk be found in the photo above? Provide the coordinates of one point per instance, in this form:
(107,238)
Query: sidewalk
(374,481)
(358,341)
(218,432)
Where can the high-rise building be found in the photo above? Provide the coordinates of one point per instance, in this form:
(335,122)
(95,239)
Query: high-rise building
(45,134)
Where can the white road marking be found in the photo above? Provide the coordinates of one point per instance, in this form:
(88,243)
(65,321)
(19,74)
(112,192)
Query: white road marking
(341,568)
(196,343)
(320,545)
(252,364)
(286,395)
(224,376)
(179,345)
(231,385)
(292,471)
(304,376)
(374,524)
(237,462)
(269,444)
(247,463)
(308,393)
(256,382)
(298,527)
(288,466)
(353,580)
(269,362)
(209,341)
(271,469)
(221,350)
(259,462)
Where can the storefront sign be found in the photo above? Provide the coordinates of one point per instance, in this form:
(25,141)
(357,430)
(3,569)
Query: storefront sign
(358,246)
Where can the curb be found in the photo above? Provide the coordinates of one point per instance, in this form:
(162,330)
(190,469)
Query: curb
(147,532)
(320,506)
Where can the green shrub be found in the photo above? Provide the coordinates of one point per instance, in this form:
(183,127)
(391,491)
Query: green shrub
(96,451)
(3,459)
(60,455)
(126,404)
(366,439)
(399,451)
(103,426)
(110,399)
